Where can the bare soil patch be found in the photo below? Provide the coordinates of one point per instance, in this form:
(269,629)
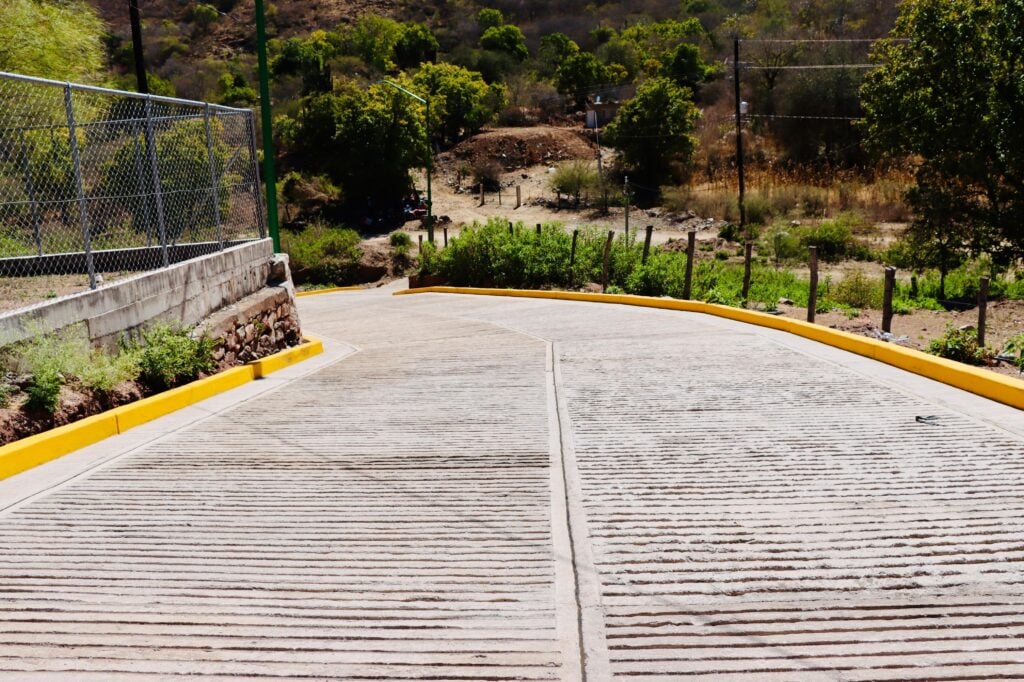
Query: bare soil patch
(1005,319)
(516,148)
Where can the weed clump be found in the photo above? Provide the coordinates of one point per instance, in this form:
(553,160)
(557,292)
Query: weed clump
(961,345)
(169,356)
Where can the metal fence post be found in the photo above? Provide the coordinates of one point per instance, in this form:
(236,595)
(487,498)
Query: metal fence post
(157,189)
(256,194)
(147,207)
(83,210)
(214,182)
(31,192)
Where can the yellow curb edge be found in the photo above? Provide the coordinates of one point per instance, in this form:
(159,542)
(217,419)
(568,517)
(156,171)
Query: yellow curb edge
(43,447)
(1003,389)
(332,290)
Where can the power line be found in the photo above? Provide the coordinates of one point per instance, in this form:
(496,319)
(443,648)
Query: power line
(750,66)
(822,40)
(815,118)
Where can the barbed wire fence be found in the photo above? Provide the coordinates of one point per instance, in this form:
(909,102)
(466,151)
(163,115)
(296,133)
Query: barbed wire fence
(102,183)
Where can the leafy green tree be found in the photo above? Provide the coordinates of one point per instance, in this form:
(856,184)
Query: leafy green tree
(657,41)
(554,49)
(686,66)
(364,140)
(373,39)
(507,39)
(951,97)
(489,18)
(579,74)
(654,130)
(59,39)
(415,46)
(460,101)
(307,57)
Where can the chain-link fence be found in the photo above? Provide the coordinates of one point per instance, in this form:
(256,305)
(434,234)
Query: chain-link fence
(99,183)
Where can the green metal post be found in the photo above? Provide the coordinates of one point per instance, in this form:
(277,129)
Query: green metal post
(430,168)
(269,172)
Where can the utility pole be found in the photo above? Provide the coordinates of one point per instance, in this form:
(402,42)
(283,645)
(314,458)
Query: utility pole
(269,172)
(739,129)
(142,85)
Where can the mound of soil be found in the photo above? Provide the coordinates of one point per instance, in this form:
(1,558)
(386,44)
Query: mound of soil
(516,148)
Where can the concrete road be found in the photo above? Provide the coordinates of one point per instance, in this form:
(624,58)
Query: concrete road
(474,488)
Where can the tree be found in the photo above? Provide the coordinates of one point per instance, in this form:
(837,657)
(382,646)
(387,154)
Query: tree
(460,101)
(554,49)
(373,39)
(507,39)
(415,46)
(951,98)
(578,75)
(62,39)
(489,17)
(654,130)
(364,140)
(686,67)
(306,57)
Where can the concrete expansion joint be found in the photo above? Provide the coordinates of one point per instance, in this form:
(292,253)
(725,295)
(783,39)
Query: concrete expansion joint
(593,651)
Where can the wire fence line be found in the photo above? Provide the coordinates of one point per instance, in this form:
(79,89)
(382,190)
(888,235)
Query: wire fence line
(101,183)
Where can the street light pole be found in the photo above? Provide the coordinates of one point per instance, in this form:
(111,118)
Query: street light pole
(430,157)
(142,84)
(269,172)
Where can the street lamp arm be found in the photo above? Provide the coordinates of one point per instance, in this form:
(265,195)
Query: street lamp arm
(396,86)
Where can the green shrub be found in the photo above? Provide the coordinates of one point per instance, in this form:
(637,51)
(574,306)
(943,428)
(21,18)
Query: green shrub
(323,254)
(169,356)
(573,178)
(731,232)
(6,391)
(44,390)
(400,239)
(782,243)
(55,359)
(960,345)
(1015,346)
(857,290)
(834,240)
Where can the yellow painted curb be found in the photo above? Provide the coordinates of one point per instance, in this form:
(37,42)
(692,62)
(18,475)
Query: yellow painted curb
(332,290)
(43,447)
(1003,389)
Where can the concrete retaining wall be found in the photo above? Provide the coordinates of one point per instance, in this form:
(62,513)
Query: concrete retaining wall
(189,291)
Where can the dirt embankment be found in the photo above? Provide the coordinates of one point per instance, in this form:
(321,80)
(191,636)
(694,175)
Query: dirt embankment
(516,148)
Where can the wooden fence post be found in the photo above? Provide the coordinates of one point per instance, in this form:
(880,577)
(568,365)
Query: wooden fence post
(647,243)
(538,229)
(607,254)
(519,196)
(445,237)
(572,255)
(890,284)
(421,241)
(812,298)
(511,230)
(982,309)
(748,257)
(691,253)
(481,194)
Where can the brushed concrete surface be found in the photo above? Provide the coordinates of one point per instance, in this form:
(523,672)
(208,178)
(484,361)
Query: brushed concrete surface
(493,489)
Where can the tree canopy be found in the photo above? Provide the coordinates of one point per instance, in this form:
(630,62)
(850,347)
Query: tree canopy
(654,130)
(950,93)
(55,39)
